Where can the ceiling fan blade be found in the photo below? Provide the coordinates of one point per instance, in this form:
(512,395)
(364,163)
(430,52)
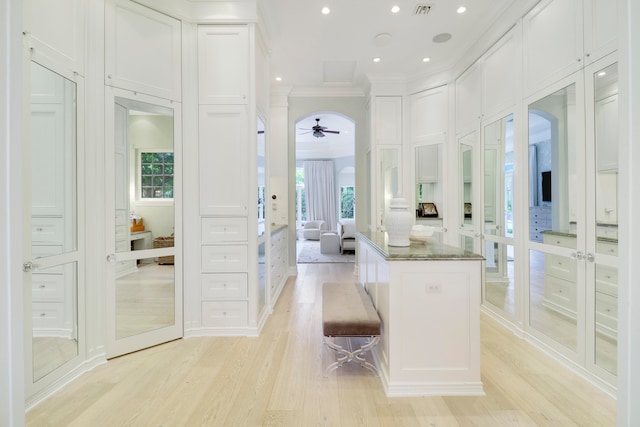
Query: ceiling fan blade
(331,131)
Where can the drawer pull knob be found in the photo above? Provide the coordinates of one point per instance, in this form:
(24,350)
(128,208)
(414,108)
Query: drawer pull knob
(41,286)
(39,229)
(43,314)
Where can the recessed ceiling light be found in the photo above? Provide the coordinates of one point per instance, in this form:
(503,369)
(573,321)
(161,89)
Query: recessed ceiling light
(376,59)
(426,59)
(326,10)
(602,73)
(461,9)
(278,79)
(395,9)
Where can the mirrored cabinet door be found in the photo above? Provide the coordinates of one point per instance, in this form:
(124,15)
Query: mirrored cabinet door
(56,261)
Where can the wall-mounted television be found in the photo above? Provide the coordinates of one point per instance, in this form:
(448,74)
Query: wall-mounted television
(546,186)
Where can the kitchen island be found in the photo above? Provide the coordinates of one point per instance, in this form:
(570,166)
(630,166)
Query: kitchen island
(428,297)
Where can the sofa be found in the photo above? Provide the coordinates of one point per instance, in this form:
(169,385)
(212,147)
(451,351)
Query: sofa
(347,235)
(313,229)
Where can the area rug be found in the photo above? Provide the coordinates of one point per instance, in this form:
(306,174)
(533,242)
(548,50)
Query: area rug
(310,254)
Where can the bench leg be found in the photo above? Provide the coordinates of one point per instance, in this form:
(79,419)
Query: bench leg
(347,355)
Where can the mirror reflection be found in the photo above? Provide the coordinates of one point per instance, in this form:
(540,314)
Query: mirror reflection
(262,225)
(53,219)
(389,164)
(144,212)
(498,177)
(145,298)
(552,167)
(500,276)
(553,215)
(606,318)
(466,168)
(428,185)
(606,140)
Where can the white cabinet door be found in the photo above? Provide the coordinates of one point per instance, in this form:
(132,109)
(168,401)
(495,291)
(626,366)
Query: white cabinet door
(56,29)
(500,69)
(223,64)
(469,100)
(388,120)
(427,163)
(429,114)
(553,46)
(601,28)
(223,155)
(142,50)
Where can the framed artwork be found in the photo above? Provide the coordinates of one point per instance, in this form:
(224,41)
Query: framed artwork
(467,210)
(428,210)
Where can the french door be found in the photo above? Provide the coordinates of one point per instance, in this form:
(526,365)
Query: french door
(143,183)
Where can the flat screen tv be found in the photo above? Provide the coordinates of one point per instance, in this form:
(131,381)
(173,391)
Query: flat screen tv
(546,186)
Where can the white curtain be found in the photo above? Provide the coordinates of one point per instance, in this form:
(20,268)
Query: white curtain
(320,192)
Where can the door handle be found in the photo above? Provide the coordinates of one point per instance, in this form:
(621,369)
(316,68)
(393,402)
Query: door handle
(111,258)
(29,266)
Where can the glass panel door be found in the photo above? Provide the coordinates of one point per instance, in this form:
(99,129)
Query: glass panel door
(469,193)
(144,285)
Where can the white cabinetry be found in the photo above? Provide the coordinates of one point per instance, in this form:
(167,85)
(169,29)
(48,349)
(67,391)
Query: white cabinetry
(469,100)
(223,155)
(500,70)
(57,31)
(149,64)
(229,289)
(224,278)
(223,64)
(387,121)
(427,163)
(558,40)
(429,114)
(278,263)
(606,112)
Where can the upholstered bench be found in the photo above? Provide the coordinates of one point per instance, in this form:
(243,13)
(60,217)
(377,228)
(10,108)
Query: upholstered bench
(347,311)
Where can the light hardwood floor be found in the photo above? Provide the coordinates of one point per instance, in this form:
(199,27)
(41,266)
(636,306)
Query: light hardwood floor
(276,380)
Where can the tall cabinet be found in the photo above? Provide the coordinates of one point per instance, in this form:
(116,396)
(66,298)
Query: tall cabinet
(224,145)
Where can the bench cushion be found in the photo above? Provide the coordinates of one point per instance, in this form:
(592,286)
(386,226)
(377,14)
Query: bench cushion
(347,311)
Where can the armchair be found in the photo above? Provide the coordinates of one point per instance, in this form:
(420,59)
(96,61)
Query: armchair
(347,233)
(312,229)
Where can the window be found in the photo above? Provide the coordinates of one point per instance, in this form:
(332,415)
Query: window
(347,202)
(156,175)
(301,203)
(261,203)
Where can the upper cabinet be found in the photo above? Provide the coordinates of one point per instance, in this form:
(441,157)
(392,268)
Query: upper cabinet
(500,71)
(427,160)
(428,114)
(56,30)
(149,64)
(387,122)
(223,66)
(469,99)
(560,36)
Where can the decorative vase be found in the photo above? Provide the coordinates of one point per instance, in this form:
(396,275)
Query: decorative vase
(398,222)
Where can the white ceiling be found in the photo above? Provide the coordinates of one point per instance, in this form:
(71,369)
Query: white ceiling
(312,50)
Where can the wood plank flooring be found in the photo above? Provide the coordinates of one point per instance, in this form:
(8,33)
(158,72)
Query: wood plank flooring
(276,380)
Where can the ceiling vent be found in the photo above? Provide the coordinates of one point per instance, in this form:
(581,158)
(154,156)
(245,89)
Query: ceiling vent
(422,9)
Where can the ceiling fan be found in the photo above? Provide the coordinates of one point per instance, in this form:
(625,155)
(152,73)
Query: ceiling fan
(319,131)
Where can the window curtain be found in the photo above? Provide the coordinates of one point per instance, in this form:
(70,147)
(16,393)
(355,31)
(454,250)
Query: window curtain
(320,192)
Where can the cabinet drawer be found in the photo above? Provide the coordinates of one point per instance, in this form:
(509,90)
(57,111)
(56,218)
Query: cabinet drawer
(564,241)
(47,287)
(122,218)
(560,266)
(561,294)
(224,313)
(607,248)
(47,315)
(224,259)
(223,286)
(607,310)
(607,280)
(218,230)
(47,230)
(122,233)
